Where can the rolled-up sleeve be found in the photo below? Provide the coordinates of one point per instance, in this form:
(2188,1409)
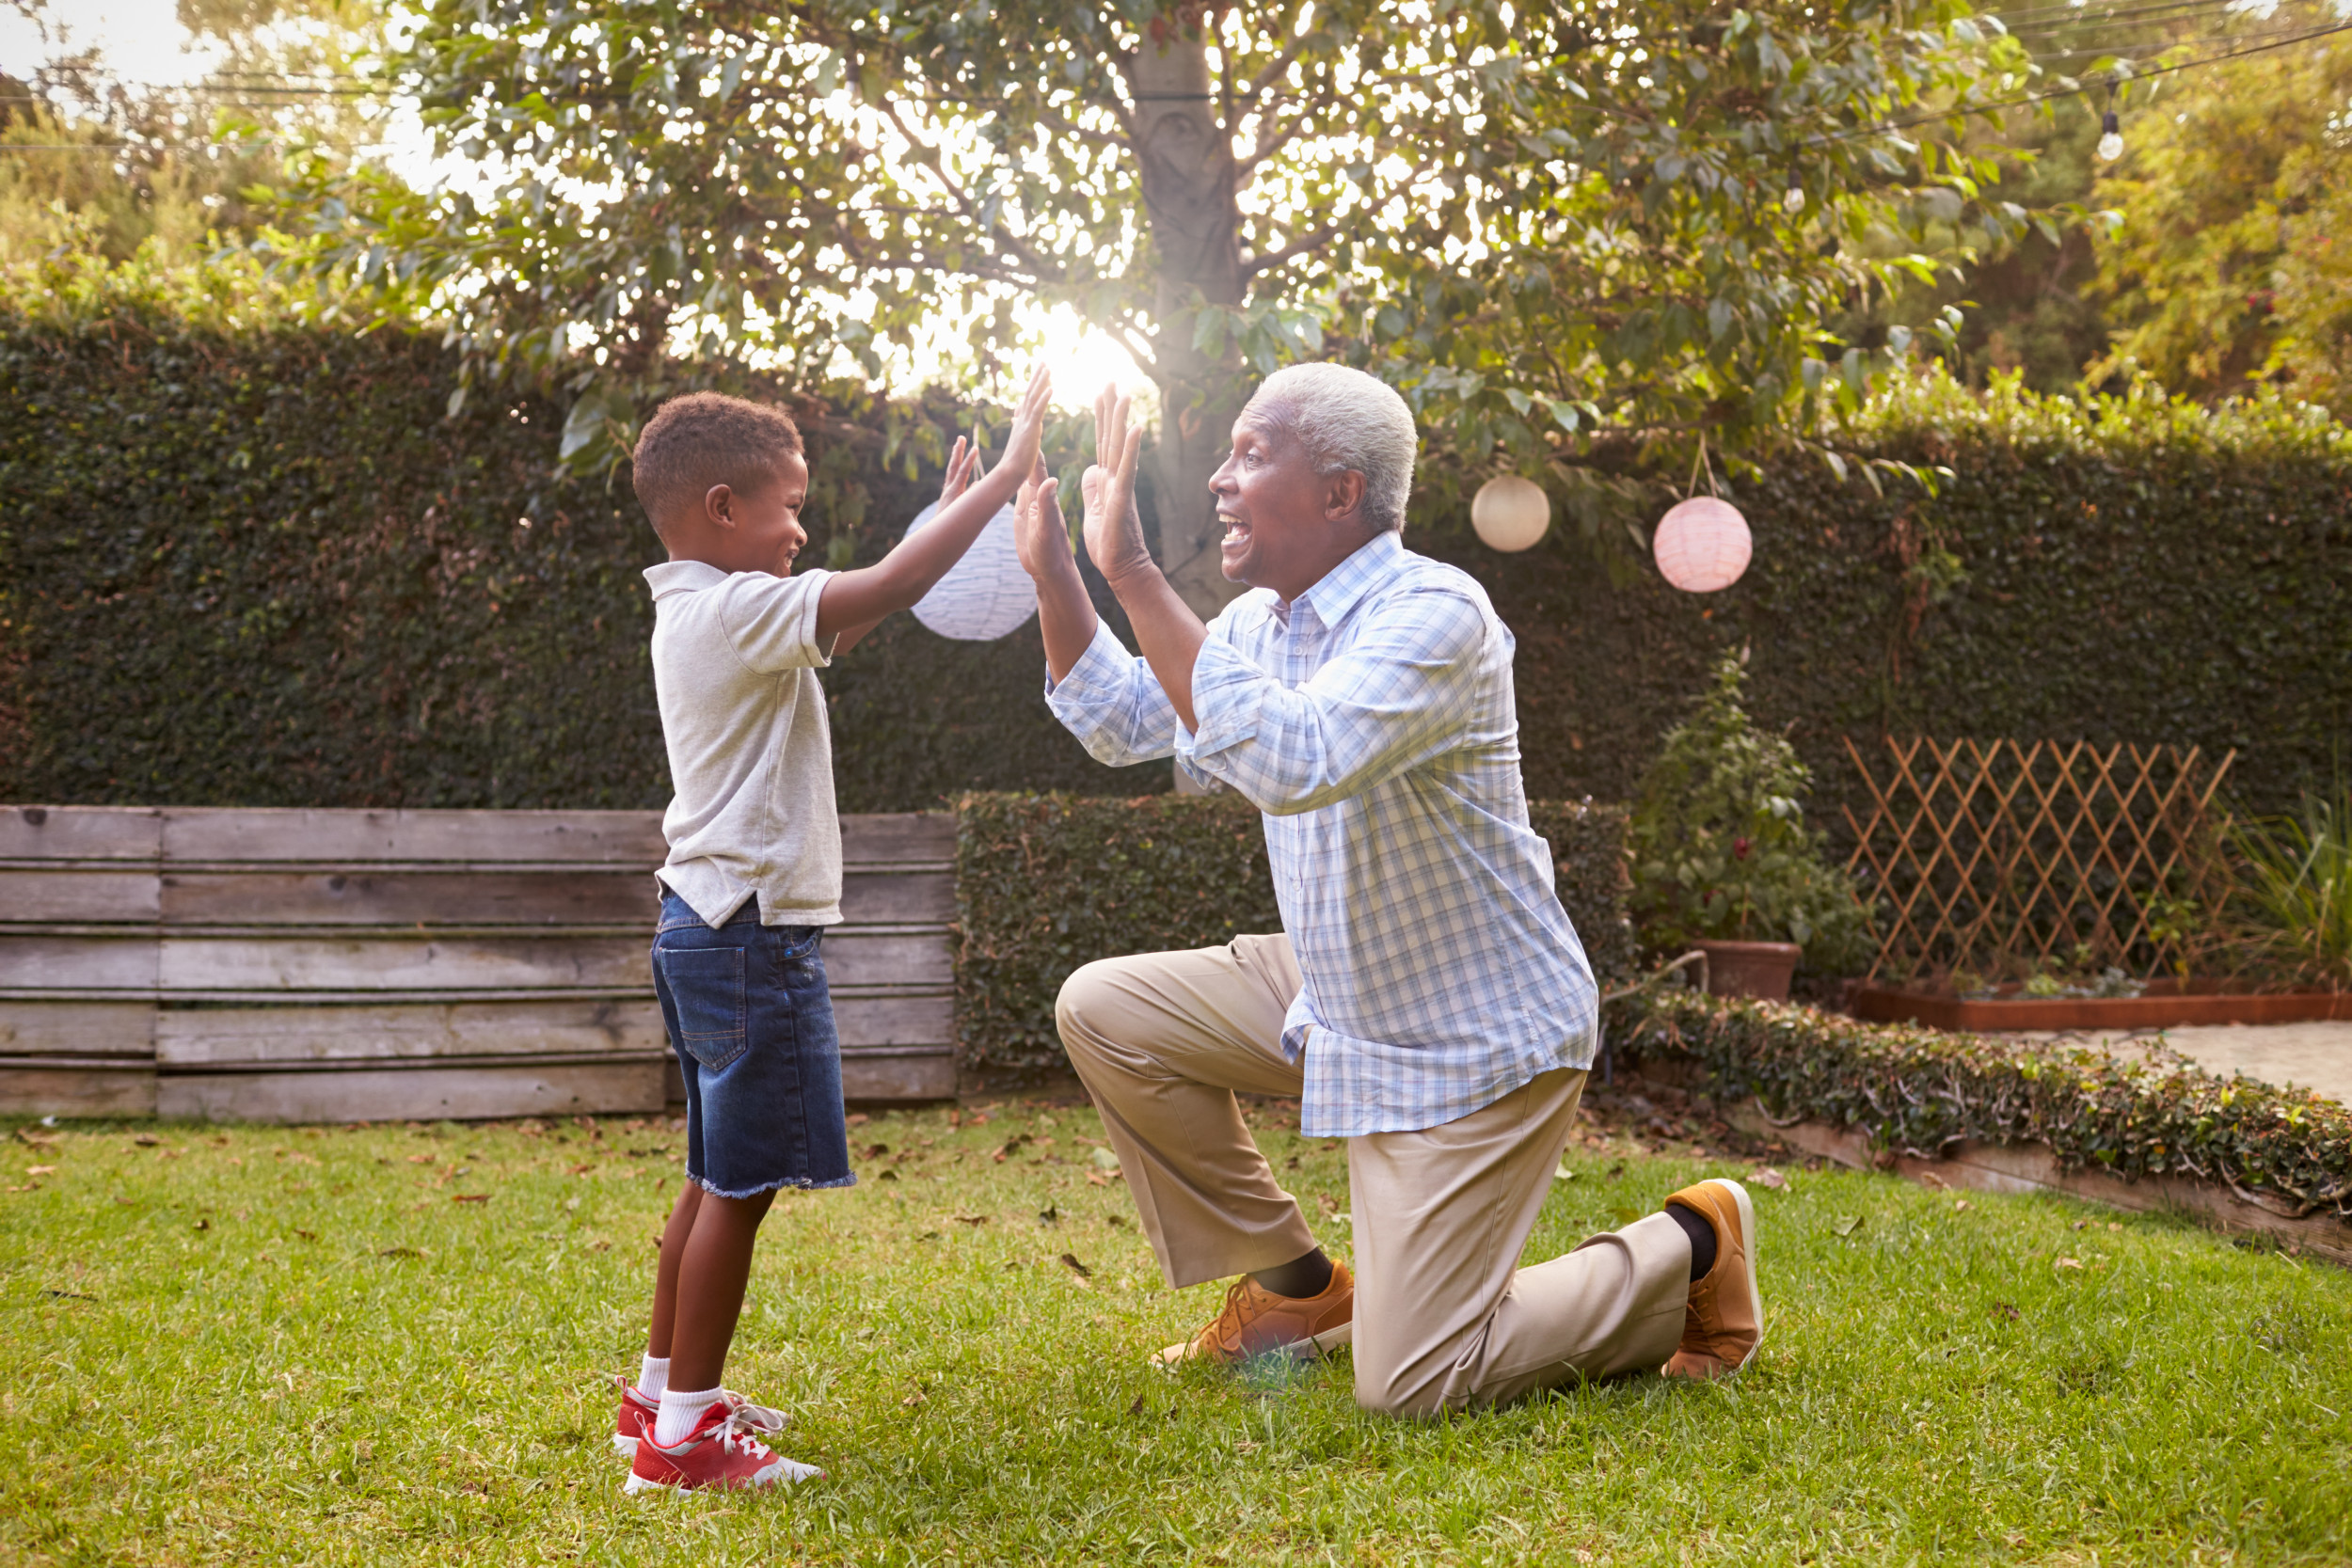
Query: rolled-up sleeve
(1397,697)
(1113,704)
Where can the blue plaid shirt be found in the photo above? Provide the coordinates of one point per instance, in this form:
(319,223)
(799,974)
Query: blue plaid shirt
(1372,720)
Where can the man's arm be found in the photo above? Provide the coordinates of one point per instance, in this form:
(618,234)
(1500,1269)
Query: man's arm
(854,601)
(1165,628)
(1101,694)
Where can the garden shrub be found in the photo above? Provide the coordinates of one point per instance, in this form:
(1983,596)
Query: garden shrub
(1919,1091)
(1721,847)
(1047,882)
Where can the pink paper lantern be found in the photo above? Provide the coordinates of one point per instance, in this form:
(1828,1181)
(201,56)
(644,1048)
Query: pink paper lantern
(1702,545)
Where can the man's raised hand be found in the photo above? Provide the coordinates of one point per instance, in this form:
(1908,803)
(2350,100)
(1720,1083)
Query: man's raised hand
(1113,533)
(1037,530)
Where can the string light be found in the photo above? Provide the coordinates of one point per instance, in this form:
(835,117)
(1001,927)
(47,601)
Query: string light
(1792,199)
(2110,130)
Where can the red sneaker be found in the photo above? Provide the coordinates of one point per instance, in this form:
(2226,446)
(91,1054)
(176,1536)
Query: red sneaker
(634,1422)
(719,1455)
(638,1413)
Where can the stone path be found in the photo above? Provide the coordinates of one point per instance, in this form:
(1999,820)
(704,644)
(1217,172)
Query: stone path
(2313,1055)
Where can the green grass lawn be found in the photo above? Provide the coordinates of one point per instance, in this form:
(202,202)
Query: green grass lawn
(263,1344)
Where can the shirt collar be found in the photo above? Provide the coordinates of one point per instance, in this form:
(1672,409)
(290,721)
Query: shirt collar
(677,577)
(1336,591)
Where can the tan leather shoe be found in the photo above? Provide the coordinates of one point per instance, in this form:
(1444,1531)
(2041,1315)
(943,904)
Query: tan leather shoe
(1256,1321)
(1724,1321)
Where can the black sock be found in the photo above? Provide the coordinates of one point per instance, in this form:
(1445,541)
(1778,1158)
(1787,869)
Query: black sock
(1701,1239)
(1298,1278)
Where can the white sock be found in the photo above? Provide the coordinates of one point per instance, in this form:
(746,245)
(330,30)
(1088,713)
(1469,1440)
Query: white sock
(652,1376)
(680,1412)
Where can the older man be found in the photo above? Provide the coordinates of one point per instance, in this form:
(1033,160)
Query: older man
(1427,998)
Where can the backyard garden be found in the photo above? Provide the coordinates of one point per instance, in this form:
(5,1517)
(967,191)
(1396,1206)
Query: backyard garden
(1909,450)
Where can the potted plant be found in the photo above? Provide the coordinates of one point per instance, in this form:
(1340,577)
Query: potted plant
(1724,862)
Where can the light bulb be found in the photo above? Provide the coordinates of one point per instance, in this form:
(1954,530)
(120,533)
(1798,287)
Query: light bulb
(1792,200)
(2111,142)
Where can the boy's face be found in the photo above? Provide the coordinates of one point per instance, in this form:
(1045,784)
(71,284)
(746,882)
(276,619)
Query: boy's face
(751,530)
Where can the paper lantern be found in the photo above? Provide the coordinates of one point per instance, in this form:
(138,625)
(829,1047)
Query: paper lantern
(1510,513)
(986,594)
(1702,545)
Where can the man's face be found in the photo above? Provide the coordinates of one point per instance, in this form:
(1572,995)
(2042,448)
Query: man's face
(1275,508)
(766,534)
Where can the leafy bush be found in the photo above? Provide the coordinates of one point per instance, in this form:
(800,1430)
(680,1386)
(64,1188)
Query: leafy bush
(2294,889)
(1919,1091)
(1047,882)
(1721,848)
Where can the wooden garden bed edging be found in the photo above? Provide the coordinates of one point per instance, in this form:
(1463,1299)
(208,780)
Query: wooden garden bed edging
(1979,1167)
(2165,1004)
(2001,1115)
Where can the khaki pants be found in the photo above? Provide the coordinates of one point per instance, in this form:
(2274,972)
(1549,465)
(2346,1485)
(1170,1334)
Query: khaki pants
(1445,1318)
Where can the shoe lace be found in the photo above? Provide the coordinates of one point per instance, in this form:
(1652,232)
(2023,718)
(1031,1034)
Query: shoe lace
(737,1434)
(753,1417)
(1235,1318)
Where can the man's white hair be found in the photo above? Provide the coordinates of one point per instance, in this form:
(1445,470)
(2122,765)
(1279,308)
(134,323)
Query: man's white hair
(1347,420)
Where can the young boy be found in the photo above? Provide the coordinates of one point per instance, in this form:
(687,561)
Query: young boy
(754,875)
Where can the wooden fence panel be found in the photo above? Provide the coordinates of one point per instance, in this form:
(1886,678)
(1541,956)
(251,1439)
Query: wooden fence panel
(361,965)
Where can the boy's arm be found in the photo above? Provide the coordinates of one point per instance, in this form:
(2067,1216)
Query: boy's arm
(963,466)
(852,602)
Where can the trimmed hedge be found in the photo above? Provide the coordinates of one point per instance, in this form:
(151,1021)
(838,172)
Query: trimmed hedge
(255,565)
(1919,1091)
(1047,882)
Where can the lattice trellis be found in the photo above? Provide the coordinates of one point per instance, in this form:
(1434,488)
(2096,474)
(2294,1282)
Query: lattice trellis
(2000,858)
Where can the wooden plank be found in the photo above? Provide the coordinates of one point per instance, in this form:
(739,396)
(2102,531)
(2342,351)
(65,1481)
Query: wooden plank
(377,895)
(898,1075)
(261,835)
(898,898)
(195,1037)
(413,1094)
(920,836)
(41,960)
(94,1088)
(373,897)
(869,1021)
(475,961)
(121,1031)
(80,832)
(45,897)
(417,963)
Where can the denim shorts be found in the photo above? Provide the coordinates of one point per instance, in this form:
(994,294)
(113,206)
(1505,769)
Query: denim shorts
(751,1023)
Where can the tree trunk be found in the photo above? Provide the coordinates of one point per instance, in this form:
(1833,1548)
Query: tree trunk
(1188,193)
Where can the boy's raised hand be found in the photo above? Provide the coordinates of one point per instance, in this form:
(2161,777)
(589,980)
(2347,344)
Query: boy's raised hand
(1027,437)
(963,466)
(1113,533)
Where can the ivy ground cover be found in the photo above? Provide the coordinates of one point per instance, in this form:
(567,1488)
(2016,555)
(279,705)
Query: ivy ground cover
(390,1345)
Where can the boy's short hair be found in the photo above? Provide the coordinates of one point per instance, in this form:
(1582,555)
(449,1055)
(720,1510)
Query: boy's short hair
(706,438)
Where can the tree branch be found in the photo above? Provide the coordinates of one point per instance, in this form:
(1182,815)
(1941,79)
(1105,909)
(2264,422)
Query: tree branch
(1046,272)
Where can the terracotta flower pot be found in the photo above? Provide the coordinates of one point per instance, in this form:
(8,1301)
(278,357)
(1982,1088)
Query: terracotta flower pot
(1760,970)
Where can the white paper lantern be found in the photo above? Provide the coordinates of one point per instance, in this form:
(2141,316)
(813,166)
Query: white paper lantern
(1702,545)
(986,594)
(1510,513)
